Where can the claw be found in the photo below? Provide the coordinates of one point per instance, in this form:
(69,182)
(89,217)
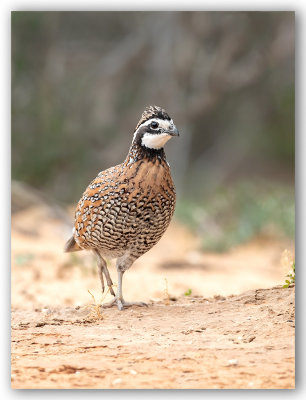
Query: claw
(135,303)
(121,304)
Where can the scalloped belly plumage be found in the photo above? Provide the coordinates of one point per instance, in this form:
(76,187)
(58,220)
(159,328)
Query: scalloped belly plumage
(126,209)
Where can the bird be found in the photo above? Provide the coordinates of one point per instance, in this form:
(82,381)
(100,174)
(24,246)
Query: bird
(127,208)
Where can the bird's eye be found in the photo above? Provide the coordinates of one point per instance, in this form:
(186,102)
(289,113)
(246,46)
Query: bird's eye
(154,124)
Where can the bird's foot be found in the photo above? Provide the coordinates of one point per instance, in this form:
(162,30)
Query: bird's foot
(121,304)
(135,303)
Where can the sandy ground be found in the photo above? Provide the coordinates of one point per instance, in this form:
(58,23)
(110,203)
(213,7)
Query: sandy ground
(235,330)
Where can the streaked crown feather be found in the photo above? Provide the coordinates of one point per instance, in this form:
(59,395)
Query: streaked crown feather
(152,112)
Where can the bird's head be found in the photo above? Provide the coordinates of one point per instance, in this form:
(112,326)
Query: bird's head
(154,129)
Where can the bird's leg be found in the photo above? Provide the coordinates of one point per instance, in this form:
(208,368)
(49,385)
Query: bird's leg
(119,290)
(119,294)
(100,272)
(118,300)
(102,269)
(108,280)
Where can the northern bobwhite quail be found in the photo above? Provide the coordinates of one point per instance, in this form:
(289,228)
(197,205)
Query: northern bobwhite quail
(126,209)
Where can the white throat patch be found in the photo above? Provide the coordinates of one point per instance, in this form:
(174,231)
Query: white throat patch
(155,141)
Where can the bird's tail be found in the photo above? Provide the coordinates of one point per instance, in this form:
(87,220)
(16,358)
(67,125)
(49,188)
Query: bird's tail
(71,246)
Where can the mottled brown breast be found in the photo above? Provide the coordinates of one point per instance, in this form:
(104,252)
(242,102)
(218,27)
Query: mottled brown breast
(127,207)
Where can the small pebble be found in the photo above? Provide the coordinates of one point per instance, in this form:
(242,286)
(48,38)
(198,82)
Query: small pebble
(116,381)
(133,372)
(233,362)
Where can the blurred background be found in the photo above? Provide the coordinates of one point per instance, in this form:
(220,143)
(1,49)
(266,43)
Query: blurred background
(80,81)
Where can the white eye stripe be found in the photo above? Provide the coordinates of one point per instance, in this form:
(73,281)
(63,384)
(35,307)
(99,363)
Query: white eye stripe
(162,123)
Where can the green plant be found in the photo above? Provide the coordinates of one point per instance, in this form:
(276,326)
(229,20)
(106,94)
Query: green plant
(24,258)
(291,277)
(188,292)
(235,214)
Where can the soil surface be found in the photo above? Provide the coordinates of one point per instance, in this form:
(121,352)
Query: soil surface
(244,341)
(212,321)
